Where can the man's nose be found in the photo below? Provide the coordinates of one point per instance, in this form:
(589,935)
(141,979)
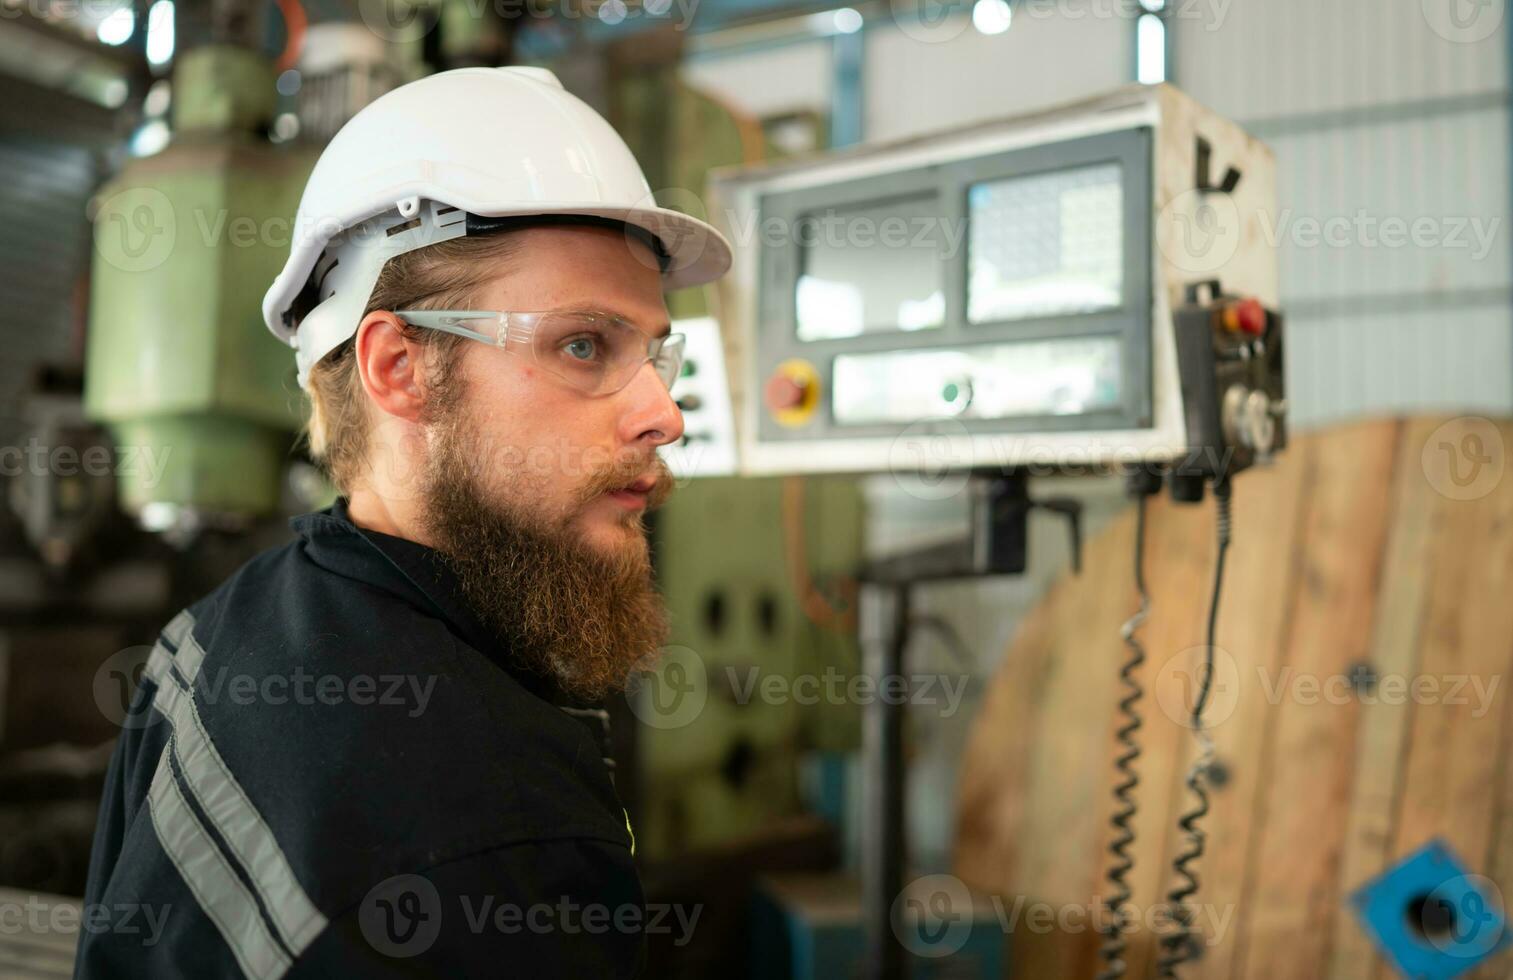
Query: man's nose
(651,417)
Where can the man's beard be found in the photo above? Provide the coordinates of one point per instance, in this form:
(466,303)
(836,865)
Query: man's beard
(585,617)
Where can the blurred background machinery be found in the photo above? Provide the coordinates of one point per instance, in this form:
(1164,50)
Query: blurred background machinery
(174,359)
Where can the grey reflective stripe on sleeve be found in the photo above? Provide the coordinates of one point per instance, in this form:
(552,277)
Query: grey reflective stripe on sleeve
(162,657)
(178,627)
(158,662)
(215,886)
(232,814)
(220,796)
(189,658)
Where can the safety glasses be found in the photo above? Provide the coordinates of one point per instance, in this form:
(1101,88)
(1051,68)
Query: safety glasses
(595,353)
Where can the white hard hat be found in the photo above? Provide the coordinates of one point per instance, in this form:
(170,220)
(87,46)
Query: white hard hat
(429,160)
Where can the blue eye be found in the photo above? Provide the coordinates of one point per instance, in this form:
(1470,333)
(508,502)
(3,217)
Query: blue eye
(583,348)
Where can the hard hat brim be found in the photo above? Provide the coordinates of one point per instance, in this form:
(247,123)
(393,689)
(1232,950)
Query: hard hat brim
(696,252)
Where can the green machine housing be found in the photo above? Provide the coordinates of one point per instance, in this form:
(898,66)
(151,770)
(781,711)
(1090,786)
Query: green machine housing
(186,241)
(725,766)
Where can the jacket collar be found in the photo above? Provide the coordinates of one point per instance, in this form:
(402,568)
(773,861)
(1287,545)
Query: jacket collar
(414,572)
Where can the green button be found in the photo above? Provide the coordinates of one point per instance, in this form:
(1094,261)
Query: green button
(950,392)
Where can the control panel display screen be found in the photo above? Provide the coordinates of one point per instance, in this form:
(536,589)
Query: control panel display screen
(1046,244)
(869,269)
(1009,291)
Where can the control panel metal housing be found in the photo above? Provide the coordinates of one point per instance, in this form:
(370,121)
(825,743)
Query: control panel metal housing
(1004,293)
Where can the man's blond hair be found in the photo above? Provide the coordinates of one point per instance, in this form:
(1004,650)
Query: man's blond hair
(447,275)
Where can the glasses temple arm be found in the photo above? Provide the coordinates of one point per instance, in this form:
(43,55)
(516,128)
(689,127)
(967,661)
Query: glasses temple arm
(445,322)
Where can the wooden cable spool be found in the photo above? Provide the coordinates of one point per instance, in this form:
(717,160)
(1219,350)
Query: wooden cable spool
(1382,549)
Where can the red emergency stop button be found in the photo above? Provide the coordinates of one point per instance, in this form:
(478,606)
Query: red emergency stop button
(792,392)
(784,393)
(1248,315)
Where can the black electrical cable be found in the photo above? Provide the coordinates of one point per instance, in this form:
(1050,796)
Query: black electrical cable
(1112,948)
(1181,944)
(1221,502)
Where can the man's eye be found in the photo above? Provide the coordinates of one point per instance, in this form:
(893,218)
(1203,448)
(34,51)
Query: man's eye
(583,348)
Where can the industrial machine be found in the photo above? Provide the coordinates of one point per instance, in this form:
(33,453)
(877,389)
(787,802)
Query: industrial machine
(1003,296)
(177,358)
(1082,289)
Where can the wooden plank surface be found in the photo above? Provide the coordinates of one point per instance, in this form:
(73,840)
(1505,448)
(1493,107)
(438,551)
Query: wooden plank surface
(1069,788)
(1311,753)
(1381,739)
(1181,564)
(1049,761)
(1350,552)
(1458,707)
(1261,587)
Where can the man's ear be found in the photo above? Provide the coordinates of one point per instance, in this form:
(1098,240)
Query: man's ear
(391,365)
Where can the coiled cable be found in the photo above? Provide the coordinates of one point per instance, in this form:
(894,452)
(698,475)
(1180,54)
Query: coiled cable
(1112,948)
(1180,945)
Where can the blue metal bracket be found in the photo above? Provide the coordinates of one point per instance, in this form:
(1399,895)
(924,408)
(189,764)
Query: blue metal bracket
(1431,918)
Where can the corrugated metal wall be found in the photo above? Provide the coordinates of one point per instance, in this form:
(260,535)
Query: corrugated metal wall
(53,154)
(1390,123)
(920,77)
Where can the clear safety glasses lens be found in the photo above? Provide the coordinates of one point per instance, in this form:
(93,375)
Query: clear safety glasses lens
(667,357)
(595,353)
(599,355)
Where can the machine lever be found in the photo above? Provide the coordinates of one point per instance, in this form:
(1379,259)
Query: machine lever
(1204,181)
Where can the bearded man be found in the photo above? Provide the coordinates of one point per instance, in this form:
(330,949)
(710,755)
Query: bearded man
(375,751)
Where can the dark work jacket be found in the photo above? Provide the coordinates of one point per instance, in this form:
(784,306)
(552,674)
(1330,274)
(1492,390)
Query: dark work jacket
(330,768)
